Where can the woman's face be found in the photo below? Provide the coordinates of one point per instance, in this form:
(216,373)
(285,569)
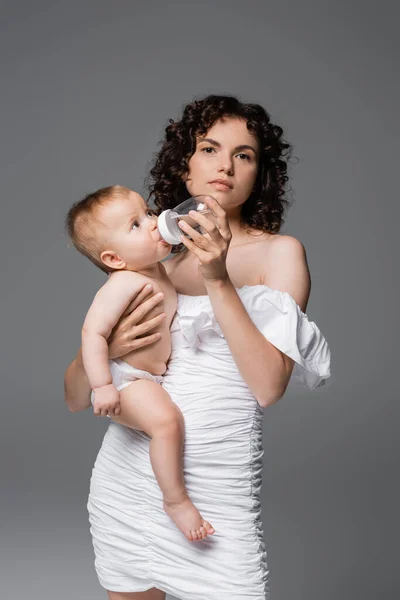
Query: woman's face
(227,152)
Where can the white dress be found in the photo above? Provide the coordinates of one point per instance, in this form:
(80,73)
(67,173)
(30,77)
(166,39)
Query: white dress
(136,545)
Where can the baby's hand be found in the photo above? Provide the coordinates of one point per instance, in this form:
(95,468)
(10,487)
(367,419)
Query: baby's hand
(106,401)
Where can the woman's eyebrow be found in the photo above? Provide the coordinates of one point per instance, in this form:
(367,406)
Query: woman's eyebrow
(215,143)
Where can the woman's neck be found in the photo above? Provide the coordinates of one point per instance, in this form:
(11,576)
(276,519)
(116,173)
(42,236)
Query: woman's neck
(241,233)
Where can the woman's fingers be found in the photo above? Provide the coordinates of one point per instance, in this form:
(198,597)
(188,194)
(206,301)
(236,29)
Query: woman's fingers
(144,292)
(211,229)
(216,230)
(126,335)
(141,311)
(143,341)
(211,246)
(190,245)
(146,326)
(198,238)
(128,341)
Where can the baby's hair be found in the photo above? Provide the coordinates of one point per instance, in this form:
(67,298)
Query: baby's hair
(82,225)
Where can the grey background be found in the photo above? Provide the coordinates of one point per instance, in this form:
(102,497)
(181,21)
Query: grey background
(87,89)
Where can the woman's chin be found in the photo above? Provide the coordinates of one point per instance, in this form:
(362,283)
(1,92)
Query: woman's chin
(229,204)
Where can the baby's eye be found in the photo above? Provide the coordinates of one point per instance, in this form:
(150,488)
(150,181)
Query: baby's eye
(150,213)
(135,225)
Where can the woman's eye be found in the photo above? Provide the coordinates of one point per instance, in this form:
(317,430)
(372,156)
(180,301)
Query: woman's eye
(206,151)
(135,225)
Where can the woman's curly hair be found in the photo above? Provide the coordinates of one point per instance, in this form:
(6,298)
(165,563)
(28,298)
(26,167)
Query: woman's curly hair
(265,206)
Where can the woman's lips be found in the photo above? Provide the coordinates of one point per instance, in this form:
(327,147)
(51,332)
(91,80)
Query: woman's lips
(220,185)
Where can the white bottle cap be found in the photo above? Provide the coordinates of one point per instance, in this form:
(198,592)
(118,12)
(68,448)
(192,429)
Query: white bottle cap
(168,227)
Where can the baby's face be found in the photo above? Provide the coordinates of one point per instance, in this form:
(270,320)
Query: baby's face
(132,235)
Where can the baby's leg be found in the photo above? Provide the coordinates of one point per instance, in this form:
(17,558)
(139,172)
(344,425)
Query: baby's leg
(146,406)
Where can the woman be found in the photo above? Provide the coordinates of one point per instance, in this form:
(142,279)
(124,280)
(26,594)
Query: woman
(239,336)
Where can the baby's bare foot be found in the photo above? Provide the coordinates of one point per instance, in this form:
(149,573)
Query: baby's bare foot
(188,519)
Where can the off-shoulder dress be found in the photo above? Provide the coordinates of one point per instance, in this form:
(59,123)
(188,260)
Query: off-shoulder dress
(136,545)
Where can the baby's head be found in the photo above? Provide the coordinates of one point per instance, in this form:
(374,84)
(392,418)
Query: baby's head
(116,230)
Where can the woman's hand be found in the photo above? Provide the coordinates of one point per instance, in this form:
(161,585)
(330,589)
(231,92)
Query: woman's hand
(125,335)
(211,247)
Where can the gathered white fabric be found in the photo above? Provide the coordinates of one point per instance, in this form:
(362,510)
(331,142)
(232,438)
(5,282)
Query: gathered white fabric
(136,545)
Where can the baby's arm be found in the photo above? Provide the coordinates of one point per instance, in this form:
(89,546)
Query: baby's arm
(107,307)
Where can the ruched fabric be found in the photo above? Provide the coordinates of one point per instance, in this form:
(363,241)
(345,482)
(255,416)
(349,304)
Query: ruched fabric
(136,545)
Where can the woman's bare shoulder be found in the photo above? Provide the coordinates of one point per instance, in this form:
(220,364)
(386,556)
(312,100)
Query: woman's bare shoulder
(266,246)
(286,243)
(285,268)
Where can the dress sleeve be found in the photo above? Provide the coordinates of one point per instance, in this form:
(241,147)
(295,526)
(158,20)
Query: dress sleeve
(280,319)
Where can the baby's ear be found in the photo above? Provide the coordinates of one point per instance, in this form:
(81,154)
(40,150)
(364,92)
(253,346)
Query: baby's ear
(112,260)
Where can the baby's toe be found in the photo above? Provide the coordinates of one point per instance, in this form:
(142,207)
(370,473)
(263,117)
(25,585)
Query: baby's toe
(195,537)
(208,527)
(203,533)
(189,536)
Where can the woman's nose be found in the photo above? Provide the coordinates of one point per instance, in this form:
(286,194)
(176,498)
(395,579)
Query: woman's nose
(226,165)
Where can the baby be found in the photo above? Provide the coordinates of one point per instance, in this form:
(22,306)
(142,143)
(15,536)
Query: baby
(118,232)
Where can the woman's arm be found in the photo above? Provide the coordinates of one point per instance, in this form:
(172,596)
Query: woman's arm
(124,338)
(265,369)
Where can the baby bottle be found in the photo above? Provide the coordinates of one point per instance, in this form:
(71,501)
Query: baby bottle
(168,219)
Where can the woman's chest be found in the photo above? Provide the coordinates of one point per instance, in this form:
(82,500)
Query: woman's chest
(245,266)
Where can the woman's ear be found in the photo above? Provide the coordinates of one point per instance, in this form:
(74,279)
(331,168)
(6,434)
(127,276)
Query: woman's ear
(112,260)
